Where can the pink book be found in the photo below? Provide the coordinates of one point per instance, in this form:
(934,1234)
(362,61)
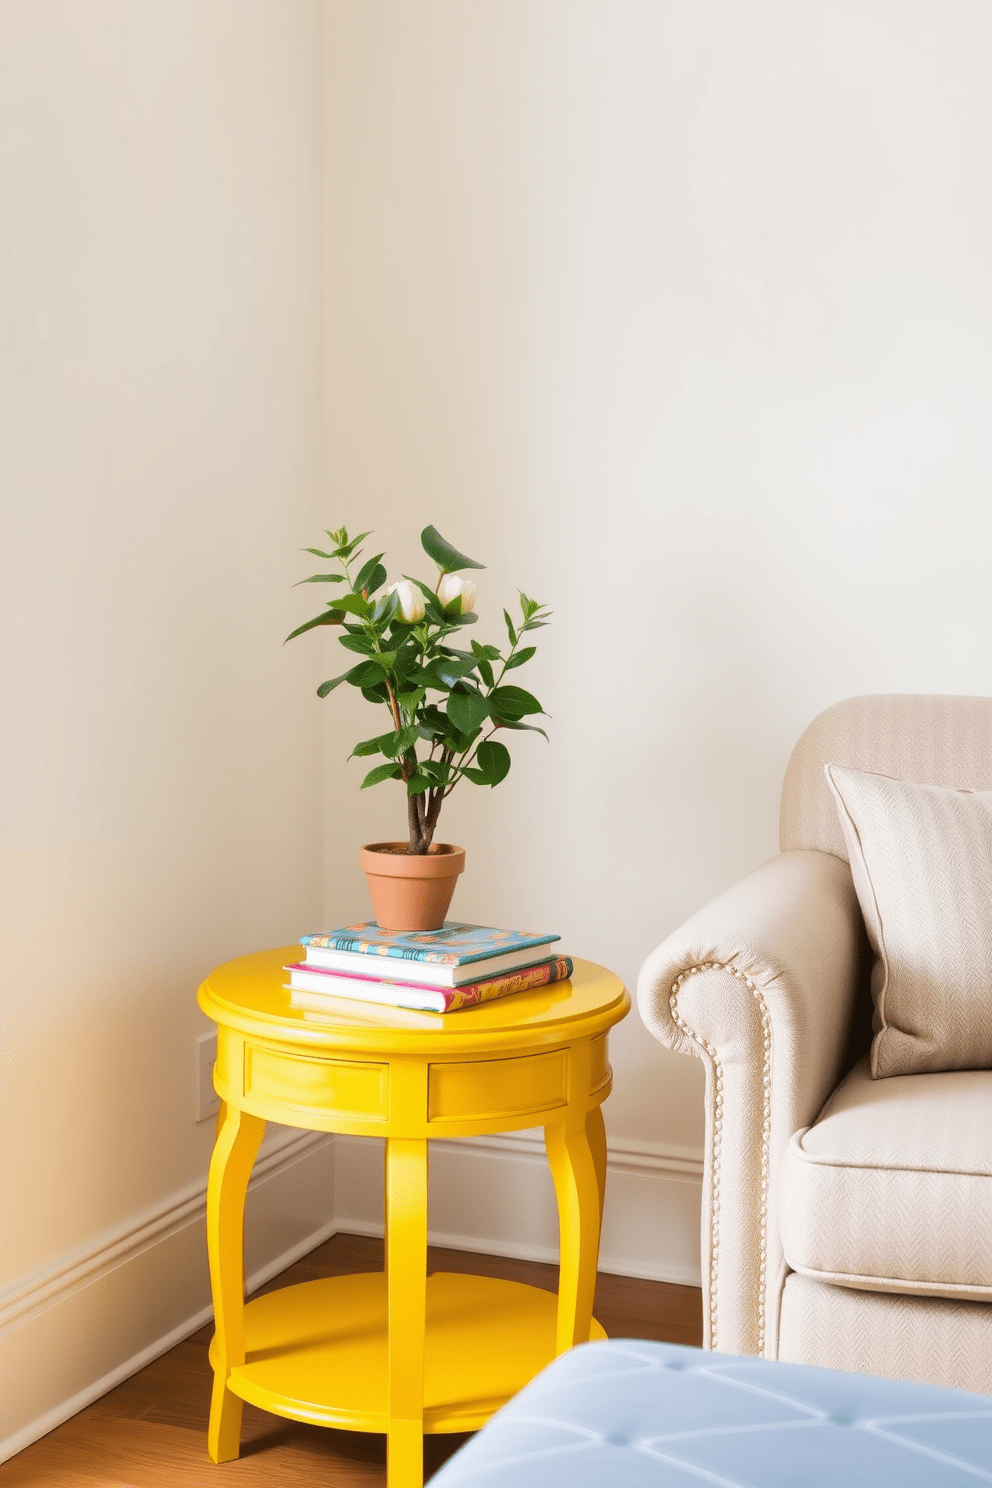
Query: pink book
(316,985)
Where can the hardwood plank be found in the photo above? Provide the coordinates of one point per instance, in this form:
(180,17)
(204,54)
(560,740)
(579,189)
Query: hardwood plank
(151,1429)
(73,1480)
(152,1456)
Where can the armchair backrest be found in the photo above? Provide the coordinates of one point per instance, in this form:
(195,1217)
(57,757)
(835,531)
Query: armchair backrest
(932,740)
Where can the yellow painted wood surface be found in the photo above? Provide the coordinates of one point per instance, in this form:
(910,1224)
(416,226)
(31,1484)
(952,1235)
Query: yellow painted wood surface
(402,1353)
(249,994)
(319,1351)
(238,1139)
(497,1089)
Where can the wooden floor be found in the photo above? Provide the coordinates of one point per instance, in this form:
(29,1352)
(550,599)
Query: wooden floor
(151,1431)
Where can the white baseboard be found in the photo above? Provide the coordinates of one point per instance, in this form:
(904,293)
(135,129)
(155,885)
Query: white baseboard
(59,1349)
(73,1330)
(494,1194)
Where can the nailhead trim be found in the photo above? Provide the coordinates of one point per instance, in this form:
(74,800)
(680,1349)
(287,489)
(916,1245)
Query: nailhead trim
(717,1135)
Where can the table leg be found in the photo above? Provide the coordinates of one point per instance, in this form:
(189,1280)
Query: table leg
(385,1207)
(230,1168)
(406,1272)
(575,1170)
(596,1132)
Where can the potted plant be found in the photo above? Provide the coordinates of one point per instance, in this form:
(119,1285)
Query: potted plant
(445,704)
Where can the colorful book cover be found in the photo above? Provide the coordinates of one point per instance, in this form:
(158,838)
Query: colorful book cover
(559,969)
(454,944)
(304,977)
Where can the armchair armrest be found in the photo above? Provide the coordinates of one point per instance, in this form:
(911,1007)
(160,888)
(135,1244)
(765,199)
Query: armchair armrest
(761,985)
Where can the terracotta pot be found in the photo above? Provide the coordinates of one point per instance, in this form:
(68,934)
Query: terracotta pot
(411,891)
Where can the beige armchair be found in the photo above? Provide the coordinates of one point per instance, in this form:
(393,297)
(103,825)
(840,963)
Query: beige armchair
(847,1221)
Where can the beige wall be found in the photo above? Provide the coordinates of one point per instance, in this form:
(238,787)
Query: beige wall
(159,464)
(679,317)
(676,315)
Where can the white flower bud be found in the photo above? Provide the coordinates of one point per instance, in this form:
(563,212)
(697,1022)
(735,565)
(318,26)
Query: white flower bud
(410,602)
(452,587)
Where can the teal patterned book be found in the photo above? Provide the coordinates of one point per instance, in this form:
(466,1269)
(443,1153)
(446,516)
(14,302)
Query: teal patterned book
(454,954)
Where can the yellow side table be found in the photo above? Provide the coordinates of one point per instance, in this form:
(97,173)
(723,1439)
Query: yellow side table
(400,1352)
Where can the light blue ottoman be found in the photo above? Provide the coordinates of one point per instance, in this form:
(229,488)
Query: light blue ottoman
(630,1414)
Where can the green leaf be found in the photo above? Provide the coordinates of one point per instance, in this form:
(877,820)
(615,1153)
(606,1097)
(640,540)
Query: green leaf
(376,694)
(321,579)
(396,743)
(447,558)
(317,553)
(371,746)
(382,772)
(376,579)
(326,687)
(512,703)
(493,652)
(386,607)
(469,619)
(481,654)
(361,644)
(520,657)
(349,546)
(515,723)
(329,617)
(418,783)
(410,698)
(509,628)
(368,568)
(477,777)
(365,674)
(407,657)
(451,669)
(460,743)
(467,710)
(353,604)
(493,760)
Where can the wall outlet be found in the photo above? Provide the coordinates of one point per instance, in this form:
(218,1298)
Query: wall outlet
(207,1099)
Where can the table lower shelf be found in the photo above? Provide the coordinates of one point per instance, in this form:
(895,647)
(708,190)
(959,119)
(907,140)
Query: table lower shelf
(319,1352)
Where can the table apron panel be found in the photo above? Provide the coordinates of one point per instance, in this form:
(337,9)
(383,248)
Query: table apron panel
(331,1087)
(600,1074)
(493,1088)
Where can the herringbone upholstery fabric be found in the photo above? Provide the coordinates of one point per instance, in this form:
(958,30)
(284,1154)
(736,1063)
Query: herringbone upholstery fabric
(891,1188)
(942,740)
(921,858)
(918,1338)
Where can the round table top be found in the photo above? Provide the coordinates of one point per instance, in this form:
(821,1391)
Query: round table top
(250,996)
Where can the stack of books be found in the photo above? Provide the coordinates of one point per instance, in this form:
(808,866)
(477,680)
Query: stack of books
(437,971)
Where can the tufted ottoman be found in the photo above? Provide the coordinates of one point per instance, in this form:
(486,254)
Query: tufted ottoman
(628,1414)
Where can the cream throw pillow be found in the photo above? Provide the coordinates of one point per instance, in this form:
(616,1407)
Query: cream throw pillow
(921,857)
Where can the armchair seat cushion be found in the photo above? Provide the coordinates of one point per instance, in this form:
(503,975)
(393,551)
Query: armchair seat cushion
(891,1188)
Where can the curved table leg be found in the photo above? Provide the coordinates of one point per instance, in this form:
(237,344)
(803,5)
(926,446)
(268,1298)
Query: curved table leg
(406,1283)
(596,1133)
(234,1152)
(575,1170)
(385,1207)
